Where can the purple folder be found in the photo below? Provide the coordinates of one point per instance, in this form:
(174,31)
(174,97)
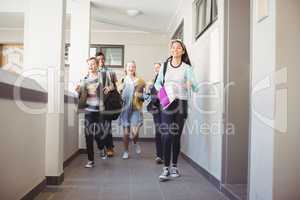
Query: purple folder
(163,97)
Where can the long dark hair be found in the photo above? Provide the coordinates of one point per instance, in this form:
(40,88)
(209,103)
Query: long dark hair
(185,57)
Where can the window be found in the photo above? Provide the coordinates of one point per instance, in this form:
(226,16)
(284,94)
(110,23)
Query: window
(11,57)
(114,54)
(206,12)
(179,32)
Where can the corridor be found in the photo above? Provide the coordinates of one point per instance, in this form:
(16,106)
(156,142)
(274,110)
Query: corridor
(133,179)
(231,67)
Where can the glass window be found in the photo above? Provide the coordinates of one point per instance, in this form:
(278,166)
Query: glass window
(11,57)
(114,54)
(206,12)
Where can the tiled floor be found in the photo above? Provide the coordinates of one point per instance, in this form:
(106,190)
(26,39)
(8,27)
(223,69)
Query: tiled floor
(133,179)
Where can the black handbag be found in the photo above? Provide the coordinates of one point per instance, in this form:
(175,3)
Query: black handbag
(112,104)
(154,105)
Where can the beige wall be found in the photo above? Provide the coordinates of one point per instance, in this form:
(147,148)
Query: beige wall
(286,157)
(22,150)
(11,36)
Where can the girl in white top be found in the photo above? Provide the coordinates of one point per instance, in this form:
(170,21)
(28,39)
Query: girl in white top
(176,74)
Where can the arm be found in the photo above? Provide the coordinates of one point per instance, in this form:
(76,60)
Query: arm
(159,81)
(80,86)
(191,80)
(77,88)
(120,85)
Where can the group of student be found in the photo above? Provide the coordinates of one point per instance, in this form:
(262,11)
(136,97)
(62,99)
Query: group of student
(176,73)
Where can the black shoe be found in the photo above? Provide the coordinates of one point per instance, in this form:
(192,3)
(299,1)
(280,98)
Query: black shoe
(159,161)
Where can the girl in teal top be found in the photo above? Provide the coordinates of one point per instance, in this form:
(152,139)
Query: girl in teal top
(176,75)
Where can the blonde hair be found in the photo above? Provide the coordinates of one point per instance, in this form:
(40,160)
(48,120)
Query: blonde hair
(126,66)
(93,58)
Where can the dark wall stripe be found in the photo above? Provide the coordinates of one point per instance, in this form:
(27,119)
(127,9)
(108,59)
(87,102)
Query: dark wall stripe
(7,92)
(70,99)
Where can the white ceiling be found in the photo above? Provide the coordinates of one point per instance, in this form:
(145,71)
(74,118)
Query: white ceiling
(107,15)
(156,14)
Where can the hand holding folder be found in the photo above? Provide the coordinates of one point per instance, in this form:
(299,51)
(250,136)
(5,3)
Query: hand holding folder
(166,96)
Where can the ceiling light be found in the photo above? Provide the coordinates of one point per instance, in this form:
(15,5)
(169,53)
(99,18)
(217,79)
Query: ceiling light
(133,12)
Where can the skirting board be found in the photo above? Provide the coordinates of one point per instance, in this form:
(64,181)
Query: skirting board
(71,158)
(222,188)
(203,171)
(35,191)
(229,193)
(55,180)
(140,139)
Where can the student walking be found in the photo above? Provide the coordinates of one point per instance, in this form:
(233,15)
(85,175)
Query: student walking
(131,117)
(108,139)
(176,74)
(91,93)
(155,109)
